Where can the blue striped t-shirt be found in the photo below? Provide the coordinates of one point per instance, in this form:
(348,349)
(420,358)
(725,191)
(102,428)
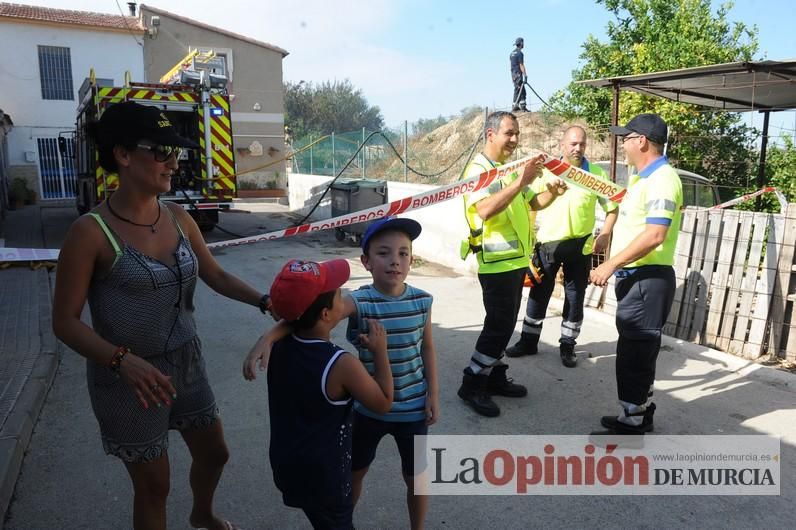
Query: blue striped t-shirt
(404,319)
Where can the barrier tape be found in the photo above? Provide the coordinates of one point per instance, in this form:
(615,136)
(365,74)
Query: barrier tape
(584,179)
(407,204)
(572,175)
(415,202)
(597,184)
(783,201)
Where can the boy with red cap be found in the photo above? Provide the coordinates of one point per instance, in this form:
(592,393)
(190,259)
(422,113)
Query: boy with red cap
(405,312)
(311,383)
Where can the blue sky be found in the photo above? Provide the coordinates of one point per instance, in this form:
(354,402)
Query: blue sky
(419,59)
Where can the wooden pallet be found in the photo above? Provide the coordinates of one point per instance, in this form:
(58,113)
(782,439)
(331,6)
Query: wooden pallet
(736,283)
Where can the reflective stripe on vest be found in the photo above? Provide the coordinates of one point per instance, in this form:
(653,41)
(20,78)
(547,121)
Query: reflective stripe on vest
(501,246)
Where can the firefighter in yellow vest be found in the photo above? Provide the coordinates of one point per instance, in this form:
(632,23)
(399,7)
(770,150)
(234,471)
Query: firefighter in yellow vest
(501,237)
(642,259)
(565,240)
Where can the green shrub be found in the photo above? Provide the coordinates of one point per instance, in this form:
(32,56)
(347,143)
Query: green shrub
(18,189)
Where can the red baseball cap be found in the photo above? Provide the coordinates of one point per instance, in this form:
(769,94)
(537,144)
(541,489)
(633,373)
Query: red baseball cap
(299,283)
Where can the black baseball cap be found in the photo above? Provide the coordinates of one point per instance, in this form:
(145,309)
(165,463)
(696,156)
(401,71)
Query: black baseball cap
(409,226)
(518,41)
(128,122)
(650,125)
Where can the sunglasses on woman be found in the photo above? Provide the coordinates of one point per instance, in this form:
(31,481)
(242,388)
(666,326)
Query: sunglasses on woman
(162,152)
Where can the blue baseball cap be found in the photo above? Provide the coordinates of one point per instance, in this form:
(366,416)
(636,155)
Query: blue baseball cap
(411,227)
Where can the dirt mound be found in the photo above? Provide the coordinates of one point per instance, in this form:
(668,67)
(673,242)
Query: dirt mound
(448,145)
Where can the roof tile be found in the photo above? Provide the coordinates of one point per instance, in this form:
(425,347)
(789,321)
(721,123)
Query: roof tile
(67,16)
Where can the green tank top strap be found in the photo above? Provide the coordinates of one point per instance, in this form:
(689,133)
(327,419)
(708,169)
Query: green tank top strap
(174,220)
(109,234)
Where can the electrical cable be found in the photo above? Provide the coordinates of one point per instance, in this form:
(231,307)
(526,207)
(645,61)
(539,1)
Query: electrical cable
(325,191)
(472,150)
(546,104)
(431,175)
(408,167)
(126,25)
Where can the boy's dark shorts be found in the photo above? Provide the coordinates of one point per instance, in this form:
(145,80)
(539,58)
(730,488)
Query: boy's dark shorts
(368,432)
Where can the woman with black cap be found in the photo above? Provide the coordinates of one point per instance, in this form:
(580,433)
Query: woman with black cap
(136,260)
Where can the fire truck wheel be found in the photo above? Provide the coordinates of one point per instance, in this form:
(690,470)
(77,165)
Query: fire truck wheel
(206,227)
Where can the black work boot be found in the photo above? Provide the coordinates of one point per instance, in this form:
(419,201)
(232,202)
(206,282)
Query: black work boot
(615,426)
(527,345)
(500,385)
(473,391)
(568,357)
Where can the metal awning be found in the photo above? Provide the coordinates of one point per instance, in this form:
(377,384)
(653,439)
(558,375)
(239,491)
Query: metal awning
(765,86)
(735,87)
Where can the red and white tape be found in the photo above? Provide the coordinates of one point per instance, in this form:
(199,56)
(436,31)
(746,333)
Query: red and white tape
(783,201)
(601,186)
(572,175)
(415,202)
(408,204)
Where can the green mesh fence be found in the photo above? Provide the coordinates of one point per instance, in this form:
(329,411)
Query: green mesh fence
(326,155)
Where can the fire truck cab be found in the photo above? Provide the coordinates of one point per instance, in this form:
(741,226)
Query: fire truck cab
(199,109)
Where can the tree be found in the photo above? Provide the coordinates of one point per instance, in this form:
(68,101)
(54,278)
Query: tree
(328,107)
(426,125)
(780,173)
(657,35)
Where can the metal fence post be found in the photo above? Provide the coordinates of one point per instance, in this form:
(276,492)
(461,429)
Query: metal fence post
(334,164)
(486,115)
(312,169)
(406,145)
(363,152)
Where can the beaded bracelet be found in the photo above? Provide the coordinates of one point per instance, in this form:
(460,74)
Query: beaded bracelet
(116,361)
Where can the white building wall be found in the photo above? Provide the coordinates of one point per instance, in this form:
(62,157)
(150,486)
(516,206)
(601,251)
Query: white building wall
(109,53)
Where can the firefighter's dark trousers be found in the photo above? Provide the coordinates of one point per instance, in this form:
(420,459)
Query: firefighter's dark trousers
(519,92)
(502,294)
(644,297)
(554,255)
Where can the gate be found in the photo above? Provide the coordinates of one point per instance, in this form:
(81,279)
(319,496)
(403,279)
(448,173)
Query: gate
(56,170)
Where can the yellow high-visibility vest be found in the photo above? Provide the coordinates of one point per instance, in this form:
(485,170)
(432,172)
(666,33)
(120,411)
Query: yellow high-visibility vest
(654,196)
(502,243)
(572,215)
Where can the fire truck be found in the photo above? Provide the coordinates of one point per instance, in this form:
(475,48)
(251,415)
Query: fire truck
(197,104)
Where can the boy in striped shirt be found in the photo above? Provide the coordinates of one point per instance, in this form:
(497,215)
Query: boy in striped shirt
(405,313)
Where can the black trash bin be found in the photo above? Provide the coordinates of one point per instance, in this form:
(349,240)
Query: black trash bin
(353,195)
